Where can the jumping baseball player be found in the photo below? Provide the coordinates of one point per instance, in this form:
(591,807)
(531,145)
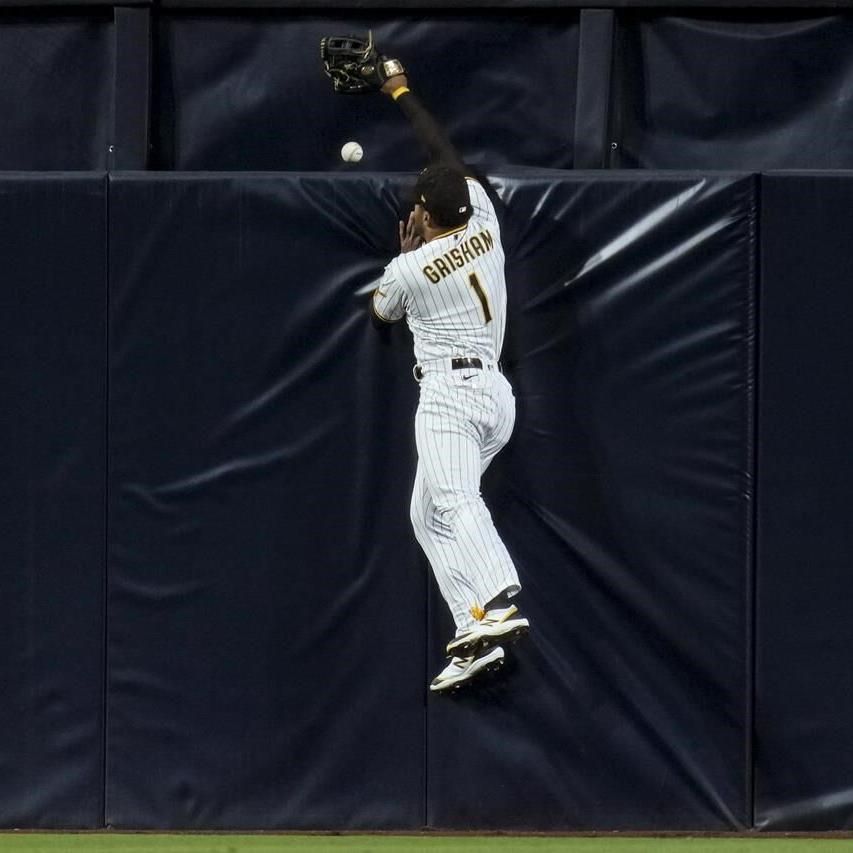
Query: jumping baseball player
(448,282)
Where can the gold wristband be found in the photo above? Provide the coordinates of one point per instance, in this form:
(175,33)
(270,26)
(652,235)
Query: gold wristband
(400,91)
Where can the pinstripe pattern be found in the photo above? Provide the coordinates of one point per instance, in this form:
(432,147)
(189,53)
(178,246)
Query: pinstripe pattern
(452,292)
(460,426)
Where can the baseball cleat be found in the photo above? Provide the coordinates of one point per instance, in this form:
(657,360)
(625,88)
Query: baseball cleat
(461,671)
(495,626)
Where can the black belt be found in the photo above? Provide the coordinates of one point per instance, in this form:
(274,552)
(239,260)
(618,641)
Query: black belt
(455,364)
(462,363)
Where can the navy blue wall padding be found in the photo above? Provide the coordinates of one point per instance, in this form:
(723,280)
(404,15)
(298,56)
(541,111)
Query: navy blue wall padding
(52,431)
(804,685)
(267,611)
(625,499)
(739,89)
(269,642)
(55,89)
(238,92)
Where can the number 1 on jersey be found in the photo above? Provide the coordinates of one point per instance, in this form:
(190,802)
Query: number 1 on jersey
(481,295)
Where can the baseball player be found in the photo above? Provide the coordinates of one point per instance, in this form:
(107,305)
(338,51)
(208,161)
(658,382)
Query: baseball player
(448,282)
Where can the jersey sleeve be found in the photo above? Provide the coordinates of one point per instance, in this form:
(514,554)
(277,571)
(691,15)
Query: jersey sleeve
(480,201)
(389,299)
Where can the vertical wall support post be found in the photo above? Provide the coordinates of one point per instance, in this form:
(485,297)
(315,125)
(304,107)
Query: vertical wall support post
(132,93)
(595,65)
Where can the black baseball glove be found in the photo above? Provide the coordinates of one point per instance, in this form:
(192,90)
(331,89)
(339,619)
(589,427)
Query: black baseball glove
(355,65)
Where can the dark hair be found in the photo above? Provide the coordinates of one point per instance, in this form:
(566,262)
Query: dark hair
(443,191)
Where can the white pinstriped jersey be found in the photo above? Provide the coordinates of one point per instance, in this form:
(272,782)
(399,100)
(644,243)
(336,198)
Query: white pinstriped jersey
(451,290)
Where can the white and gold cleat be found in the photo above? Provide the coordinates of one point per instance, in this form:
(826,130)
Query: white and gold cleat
(461,671)
(492,627)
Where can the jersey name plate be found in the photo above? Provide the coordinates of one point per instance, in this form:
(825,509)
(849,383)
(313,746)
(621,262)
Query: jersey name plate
(457,257)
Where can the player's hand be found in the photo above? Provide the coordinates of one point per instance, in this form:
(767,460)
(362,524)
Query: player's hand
(408,239)
(394,83)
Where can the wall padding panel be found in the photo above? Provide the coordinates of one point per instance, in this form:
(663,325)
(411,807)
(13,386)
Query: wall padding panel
(625,499)
(270,641)
(804,685)
(52,510)
(266,639)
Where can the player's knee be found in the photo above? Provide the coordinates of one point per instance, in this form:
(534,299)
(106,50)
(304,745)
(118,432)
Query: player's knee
(455,507)
(458,501)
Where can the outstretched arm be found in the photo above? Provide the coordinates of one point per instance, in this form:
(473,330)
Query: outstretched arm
(430,134)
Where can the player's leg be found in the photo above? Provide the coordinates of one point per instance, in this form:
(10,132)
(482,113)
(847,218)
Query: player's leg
(497,429)
(501,621)
(436,539)
(501,420)
(449,449)
(437,543)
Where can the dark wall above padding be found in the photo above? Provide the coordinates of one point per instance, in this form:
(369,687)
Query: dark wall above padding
(52,519)
(734,90)
(237,91)
(242,89)
(56,87)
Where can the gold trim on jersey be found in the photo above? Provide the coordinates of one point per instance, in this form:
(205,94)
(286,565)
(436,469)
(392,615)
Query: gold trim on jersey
(457,257)
(373,309)
(452,231)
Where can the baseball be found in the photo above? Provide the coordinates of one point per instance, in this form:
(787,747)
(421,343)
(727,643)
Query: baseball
(352,152)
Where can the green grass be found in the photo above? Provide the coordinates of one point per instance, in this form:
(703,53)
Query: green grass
(144,843)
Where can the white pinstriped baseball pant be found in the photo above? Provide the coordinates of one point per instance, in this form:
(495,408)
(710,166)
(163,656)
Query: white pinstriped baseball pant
(464,418)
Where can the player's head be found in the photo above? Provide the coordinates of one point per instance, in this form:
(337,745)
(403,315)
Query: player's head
(441,199)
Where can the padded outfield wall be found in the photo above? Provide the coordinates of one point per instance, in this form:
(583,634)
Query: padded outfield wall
(214,614)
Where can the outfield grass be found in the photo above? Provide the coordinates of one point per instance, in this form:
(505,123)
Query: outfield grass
(143,843)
